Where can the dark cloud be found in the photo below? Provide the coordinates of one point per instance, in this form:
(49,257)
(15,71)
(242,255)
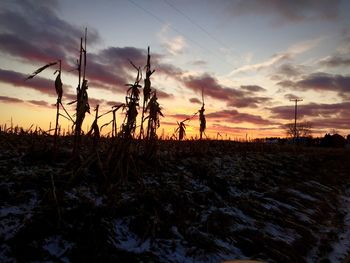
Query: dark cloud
(233,116)
(233,97)
(113,103)
(286,10)
(168,70)
(286,83)
(6,99)
(312,110)
(253,88)
(18,79)
(321,82)
(338,123)
(180,117)
(163,95)
(290,96)
(33,31)
(336,61)
(321,116)
(111,69)
(40,103)
(195,100)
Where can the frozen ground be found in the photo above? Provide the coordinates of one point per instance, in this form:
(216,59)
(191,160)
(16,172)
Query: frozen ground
(195,203)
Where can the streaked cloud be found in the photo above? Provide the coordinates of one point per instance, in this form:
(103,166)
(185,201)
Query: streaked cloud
(321,82)
(233,97)
(233,116)
(279,58)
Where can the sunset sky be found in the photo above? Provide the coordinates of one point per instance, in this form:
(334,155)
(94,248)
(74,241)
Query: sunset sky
(250,57)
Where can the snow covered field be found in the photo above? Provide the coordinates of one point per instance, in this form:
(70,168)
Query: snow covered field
(196,202)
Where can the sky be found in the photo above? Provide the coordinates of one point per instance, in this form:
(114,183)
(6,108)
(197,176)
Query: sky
(249,57)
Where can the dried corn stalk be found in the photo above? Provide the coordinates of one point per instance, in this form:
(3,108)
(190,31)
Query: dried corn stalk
(58,88)
(132,103)
(146,90)
(95,130)
(153,118)
(202,120)
(181,129)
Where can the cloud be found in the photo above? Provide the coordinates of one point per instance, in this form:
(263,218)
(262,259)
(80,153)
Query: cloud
(33,31)
(321,82)
(110,68)
(22,35)
(281,57)
(253,88)
(288,70)
(163,95)
(340,57)
(233,97)
(312,110)
(286,83)
(40,103)
(233,116)
(292,11)
(195,100)
(174,45)
(290,96)
(321,116)
(18,79)
(335,61)
(6,99)
(274,59)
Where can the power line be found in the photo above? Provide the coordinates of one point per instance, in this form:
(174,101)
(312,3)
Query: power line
(196,24)
(178,31)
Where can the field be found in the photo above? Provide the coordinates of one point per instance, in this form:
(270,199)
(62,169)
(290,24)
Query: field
(191,201)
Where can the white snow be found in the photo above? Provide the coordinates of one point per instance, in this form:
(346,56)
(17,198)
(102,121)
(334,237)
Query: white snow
(341,248)
(57,247)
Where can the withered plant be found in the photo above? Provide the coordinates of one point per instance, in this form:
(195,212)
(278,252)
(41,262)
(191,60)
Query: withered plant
(153,118)
(132,103)
(82,100)
(59,91)
(114,110)
(181,129)
(202,121)
(95,130)
(146,91)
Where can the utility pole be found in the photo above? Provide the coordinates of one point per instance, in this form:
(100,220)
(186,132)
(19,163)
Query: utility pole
(295,116)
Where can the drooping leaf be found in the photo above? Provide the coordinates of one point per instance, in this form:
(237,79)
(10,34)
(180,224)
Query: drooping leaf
(58,87)
(40,70)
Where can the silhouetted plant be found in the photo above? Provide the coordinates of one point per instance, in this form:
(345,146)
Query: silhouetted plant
(202,124)
(114,110)
(146,90)
(132,103)
(181,129)
(82,98)
(153,118)
(59,91)
(95,130)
